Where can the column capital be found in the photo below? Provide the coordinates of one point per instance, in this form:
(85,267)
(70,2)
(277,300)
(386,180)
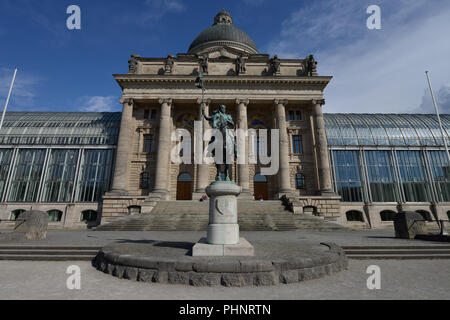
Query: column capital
(128,101)
(284,102)
(165,100)
(206,102)
(318,101)
(245,102)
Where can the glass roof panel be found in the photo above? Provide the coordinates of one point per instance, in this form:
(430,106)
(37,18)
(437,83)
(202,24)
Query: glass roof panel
(363,132)
(387,129)
(90,128)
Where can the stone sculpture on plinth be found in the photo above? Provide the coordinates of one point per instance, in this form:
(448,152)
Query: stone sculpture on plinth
(223,228)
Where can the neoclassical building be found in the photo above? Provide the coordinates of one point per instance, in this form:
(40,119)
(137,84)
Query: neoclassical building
(260,91)
(94,168)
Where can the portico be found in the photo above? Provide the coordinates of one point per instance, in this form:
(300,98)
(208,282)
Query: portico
(260,92)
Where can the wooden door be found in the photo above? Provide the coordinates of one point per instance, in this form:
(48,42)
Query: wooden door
(184,190)
(261,189)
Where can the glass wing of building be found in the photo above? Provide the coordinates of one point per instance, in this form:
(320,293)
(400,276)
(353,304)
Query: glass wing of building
(57,157)
(389,157)
(64,157)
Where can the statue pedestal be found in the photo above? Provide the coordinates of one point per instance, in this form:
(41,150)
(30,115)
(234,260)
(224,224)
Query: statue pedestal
(223,228)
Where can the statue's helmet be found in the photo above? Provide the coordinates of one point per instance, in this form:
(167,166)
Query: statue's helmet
(222,108)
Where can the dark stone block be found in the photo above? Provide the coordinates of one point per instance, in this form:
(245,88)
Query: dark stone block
(266,279)
(118,271)
(33,224)
(204,279)
(306,274)
(408,224)
(178,277)
(290,276)
(320,271)
(146,275)
(130,273)
(161,276)
(104,266)
(237,279)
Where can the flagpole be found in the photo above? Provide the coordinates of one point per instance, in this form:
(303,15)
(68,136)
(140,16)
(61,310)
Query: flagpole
(7,99)
(439,118)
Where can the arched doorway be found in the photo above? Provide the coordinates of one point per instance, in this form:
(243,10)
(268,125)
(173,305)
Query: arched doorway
(260,187)
(184,187)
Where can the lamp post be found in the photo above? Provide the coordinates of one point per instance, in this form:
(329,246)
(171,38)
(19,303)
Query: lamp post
(199,84)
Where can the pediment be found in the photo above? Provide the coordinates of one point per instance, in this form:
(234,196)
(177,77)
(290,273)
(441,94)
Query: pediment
(221,52)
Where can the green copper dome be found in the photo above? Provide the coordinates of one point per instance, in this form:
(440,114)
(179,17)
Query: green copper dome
(223,33)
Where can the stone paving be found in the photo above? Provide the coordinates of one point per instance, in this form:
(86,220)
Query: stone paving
(400,279)
(101,238)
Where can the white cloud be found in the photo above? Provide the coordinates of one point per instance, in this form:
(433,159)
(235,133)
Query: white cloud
(374,70)
(99,104)
(24,90)
(442,99)
(156,9)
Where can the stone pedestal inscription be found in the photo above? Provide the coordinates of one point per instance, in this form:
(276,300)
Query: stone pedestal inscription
(223,229)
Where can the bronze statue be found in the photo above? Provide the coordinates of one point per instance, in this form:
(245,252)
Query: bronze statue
(203,62)
(240,65)
(222,121)
(311,66)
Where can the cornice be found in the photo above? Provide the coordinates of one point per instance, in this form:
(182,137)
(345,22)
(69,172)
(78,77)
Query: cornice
(141,78)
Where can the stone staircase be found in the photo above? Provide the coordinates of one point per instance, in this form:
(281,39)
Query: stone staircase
(398,252)
(48,253)
(193,216)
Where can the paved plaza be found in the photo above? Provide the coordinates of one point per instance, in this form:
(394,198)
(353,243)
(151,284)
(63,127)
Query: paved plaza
(400,279)
(97,238)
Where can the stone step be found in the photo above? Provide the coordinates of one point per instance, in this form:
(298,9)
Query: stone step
(398,257)
(47,257)
(398,252)
(247,222)
(48,253)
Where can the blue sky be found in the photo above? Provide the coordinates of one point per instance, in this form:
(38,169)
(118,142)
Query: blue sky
(374,70)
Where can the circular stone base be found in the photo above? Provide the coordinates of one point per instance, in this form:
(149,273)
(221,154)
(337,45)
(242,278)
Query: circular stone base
(171,262)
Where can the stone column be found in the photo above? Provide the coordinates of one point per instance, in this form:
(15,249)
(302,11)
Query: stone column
(202,169)
(162,159)
(121,169)
(243,172)
(283,175)
(323,161)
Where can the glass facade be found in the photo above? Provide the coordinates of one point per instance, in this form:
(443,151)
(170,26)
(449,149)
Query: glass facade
(391,176)
(94,177)
(27,175)
(60,176)
(413,176)
(68,157)
(389,157)
(5,165)
(59,157)
(381,178)
(440,174)
(348,175)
